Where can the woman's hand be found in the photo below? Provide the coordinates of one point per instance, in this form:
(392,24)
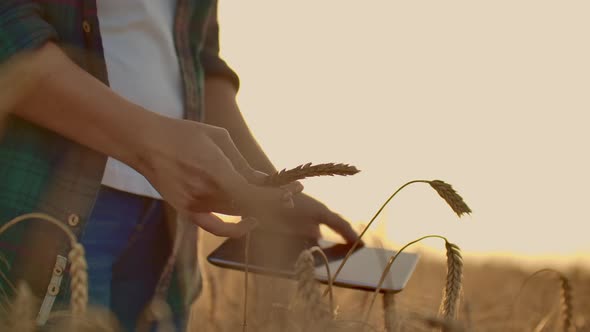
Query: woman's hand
(305,218)
(198,169)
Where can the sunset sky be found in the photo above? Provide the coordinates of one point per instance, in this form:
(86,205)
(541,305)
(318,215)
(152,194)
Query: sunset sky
(492,97)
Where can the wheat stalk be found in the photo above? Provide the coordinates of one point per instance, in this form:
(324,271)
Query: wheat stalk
(213,296)
(452,290)
(543,322)
(308,170)
(329,275)
(389,311)
(246,273)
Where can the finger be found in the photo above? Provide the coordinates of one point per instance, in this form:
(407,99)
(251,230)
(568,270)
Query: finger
(216,226)
(340,226)
(214,199)
(218,202)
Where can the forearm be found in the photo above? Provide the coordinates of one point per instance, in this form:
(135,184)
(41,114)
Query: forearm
(62,97)
(222,110)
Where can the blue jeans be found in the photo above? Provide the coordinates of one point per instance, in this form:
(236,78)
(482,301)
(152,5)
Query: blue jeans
(127,242)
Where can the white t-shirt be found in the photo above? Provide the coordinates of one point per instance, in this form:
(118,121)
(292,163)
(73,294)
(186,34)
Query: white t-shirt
(142,67)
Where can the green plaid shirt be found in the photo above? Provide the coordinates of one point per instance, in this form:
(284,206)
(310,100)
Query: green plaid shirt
(41,171)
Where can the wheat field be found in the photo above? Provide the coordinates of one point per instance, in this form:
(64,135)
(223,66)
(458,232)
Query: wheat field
(456,295)
(490,300)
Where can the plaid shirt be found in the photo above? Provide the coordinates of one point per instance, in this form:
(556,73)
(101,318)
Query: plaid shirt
(41,171)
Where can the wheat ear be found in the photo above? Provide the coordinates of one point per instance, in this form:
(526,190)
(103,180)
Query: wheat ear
(79,281)
(566,303)
(389,311)
(448,308)
(308,170)
(308,292)
(450,196)
(307,288)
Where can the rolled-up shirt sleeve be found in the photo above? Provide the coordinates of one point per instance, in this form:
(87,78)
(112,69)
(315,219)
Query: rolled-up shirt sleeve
(22,28)
(213,64)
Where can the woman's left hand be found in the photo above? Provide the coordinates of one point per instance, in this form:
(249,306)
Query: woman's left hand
(305,217)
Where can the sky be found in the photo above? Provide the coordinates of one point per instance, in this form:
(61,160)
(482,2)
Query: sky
(491,97)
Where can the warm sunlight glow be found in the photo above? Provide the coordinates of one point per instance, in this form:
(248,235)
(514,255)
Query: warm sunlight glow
(491,97)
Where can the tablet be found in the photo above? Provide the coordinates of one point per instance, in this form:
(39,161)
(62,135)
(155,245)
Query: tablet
(275,254)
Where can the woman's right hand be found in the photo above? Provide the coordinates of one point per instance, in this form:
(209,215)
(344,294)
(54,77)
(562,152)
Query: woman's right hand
(198,169)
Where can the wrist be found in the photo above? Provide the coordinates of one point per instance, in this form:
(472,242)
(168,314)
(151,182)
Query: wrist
(142,144)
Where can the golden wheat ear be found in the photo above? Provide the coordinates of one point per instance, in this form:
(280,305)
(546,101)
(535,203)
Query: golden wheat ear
(450,196)
(566,303)
(448,307)
(308,299)
(308,170)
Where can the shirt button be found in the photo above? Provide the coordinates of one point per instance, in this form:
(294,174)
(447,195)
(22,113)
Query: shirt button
(86,26)
(73,220)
